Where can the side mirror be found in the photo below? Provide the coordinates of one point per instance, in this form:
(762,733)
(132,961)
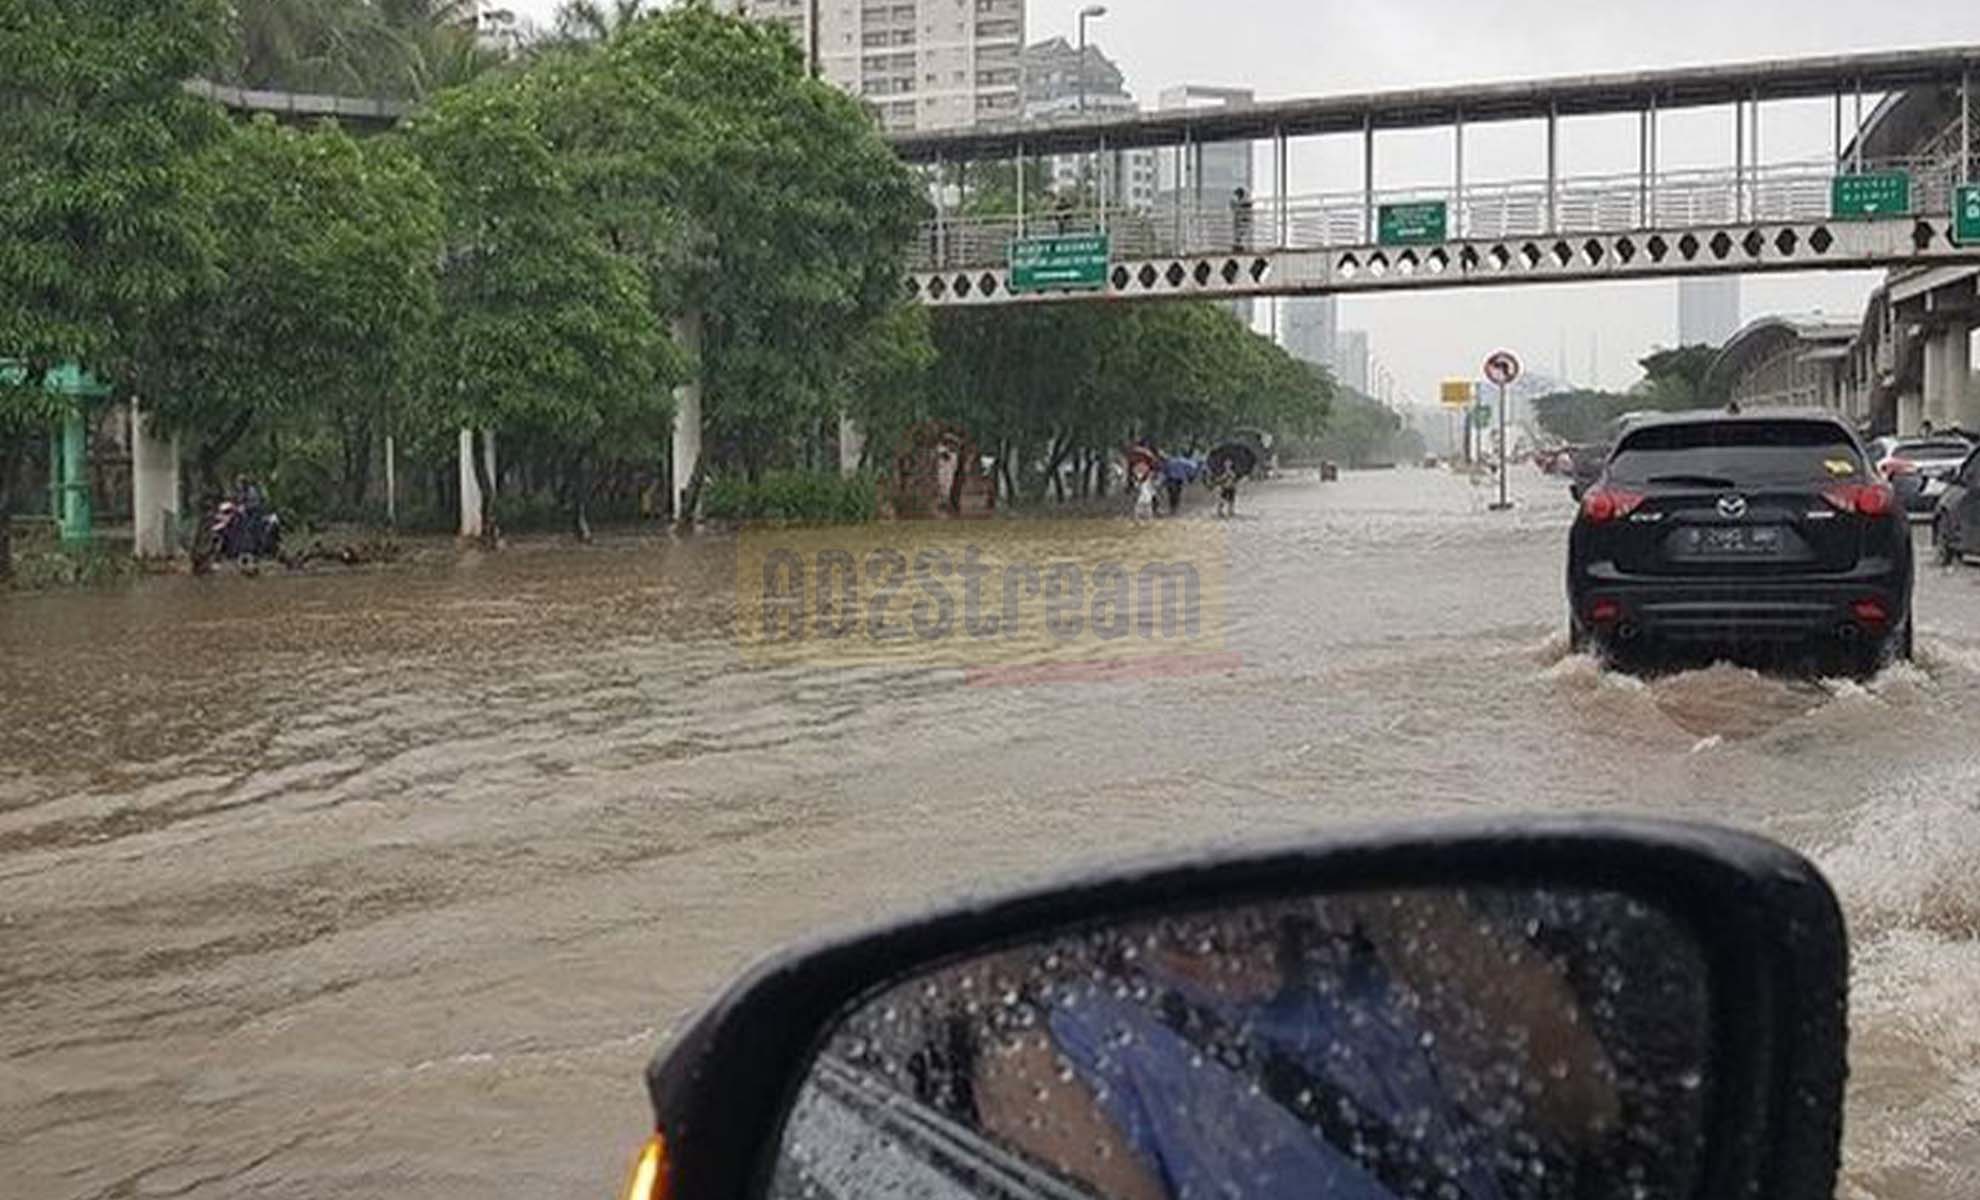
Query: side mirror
(1576,489)
(1519,1011)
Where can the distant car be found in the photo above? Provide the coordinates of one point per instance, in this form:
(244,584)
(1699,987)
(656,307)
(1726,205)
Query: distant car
(1956,519)
(1919,469)
(1742,529)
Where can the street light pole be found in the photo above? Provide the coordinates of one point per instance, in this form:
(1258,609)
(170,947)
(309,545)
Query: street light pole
(1090,12)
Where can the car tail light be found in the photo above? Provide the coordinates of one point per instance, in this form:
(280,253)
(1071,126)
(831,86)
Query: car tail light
(1894,467)
(1871,611)
(650,1178)
(1604,611)
(1605,504)
(1868,499)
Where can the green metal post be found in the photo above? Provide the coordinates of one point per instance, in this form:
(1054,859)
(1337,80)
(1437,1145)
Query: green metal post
(76,516)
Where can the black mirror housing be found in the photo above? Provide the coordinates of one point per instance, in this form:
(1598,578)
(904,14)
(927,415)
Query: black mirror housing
(1767,923)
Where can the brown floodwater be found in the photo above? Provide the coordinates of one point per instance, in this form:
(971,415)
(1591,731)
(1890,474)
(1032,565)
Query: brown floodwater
(387,883)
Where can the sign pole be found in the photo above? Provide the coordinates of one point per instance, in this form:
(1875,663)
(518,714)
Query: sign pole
(1502,368)
(1504,503)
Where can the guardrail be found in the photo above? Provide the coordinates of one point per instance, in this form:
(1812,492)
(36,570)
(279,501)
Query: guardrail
(1795,192)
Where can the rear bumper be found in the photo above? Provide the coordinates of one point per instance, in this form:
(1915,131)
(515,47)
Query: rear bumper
(1745,611)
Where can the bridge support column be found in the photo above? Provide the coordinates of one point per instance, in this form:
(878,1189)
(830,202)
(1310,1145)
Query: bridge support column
(687,401)
(1948,368)
(1910,413)
(154,488)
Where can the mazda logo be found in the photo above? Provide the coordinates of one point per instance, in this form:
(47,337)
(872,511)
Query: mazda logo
(1732,507)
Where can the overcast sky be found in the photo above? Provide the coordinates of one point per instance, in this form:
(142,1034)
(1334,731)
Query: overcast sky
(1287,48)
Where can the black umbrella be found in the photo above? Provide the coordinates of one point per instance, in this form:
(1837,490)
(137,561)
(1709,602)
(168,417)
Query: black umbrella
(1242,458)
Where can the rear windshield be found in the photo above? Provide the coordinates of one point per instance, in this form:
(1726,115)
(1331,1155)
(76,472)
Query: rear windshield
(1741,453)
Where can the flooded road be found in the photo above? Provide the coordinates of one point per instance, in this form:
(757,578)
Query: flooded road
(387,884)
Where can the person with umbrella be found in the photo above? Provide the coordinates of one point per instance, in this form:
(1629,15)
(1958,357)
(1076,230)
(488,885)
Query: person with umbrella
(1177,471)
(1229,463)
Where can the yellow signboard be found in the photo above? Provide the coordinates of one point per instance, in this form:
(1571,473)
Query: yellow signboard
(1458,393)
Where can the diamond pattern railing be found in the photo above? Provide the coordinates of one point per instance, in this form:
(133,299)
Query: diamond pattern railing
(1487,212)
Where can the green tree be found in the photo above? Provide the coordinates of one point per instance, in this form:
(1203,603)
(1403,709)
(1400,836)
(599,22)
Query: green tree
(546,334)
(329,252)
(749,193)
(100,229)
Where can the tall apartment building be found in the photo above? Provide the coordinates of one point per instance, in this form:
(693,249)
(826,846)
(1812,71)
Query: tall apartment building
(1310,329)
(1213,172)
(921,64)
(1053,73)
(1351,359)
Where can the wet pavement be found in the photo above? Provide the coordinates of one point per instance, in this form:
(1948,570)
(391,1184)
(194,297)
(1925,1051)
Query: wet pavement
(387,883)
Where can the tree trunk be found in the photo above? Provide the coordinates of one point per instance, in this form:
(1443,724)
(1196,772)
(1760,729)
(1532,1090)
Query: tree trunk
(691,497)
(1061,447)
(11,452)
(491,537)
(581,487)
(357,463)
(1004,469)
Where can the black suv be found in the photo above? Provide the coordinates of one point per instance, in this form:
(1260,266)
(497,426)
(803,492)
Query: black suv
(1727,530)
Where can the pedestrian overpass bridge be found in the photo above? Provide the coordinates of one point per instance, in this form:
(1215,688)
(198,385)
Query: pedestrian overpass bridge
(1748,215)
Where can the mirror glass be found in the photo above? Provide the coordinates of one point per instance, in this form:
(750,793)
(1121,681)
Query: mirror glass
(1474,1044)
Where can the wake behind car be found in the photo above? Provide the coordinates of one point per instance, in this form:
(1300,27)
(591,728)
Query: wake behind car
(1731,531)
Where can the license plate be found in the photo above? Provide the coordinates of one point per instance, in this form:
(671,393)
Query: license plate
(1731,541)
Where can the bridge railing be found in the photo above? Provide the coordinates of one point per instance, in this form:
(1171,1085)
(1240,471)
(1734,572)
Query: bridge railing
(1487,211)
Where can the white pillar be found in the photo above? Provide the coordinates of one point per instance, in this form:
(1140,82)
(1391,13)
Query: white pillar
(852,445)
(1948,366)
(470,489)
(1910,413)
(154,488)
(687,408)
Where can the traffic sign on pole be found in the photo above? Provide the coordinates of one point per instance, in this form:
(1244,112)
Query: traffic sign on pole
(1966,215)
(1502,368)
(1458,393)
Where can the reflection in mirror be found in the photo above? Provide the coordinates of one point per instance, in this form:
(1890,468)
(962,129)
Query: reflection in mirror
(1477,1044)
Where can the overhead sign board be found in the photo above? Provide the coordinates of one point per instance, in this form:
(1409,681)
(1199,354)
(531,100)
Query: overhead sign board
(1075,262)
(1412,224)
(1458,393)
(1966,215)
(1502,368)
(1877,194)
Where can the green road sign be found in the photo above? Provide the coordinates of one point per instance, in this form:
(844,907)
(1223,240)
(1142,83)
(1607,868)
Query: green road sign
(1076,262)
(1481,416)
(1966,215)
(1882,194)
(1410,224)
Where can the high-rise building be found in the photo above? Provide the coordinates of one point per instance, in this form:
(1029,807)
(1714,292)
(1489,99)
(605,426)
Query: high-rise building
(1708,310)
(921,64)
(1351,361)
(1310,329)
(1053,75)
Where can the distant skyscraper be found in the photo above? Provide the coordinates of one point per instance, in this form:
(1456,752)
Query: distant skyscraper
(1310,327)
(922,64)
(1708,310)
(1052,72)
(1351,363)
